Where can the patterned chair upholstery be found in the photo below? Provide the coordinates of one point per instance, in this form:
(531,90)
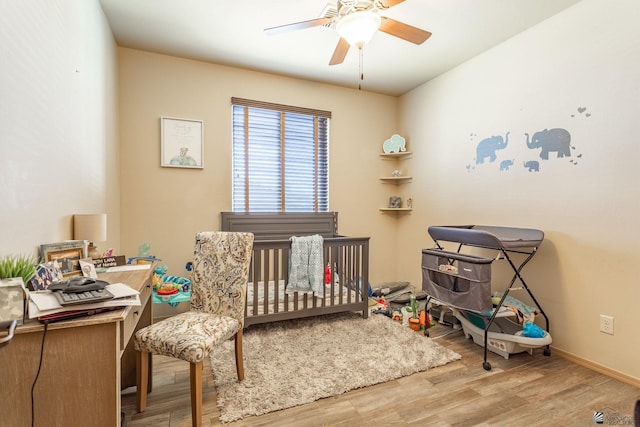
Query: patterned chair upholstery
(218,298)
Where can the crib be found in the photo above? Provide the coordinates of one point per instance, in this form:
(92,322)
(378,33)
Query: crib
(463,282)
(267,298)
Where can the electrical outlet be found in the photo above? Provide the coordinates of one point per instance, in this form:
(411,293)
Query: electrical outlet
(606,324)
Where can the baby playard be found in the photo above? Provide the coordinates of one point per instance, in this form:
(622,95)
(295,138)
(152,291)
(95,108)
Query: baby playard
(499,322)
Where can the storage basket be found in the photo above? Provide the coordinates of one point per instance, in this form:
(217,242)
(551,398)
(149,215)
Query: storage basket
(459,280)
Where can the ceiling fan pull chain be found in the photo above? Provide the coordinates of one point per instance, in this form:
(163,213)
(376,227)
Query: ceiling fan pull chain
(360,70)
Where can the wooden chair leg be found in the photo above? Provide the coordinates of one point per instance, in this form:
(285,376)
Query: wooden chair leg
(196,393)
(239,359)
(142,380)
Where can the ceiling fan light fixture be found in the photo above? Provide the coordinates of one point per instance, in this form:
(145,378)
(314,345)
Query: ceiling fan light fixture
(359,27)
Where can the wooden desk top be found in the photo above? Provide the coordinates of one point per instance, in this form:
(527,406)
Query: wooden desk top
(137,279)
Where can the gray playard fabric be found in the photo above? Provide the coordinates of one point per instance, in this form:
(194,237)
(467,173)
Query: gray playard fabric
(488,236)
(459,280)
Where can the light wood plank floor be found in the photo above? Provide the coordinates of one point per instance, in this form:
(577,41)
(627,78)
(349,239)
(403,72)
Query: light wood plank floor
(523,390)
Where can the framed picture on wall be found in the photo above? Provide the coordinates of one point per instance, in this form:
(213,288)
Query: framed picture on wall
(66,255)
(181,143)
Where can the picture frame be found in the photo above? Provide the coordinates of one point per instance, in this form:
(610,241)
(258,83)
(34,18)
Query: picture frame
(181,143)
(88,269)
(47,274)
(67,255)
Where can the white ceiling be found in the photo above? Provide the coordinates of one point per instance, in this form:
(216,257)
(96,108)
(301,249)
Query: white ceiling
(231,33)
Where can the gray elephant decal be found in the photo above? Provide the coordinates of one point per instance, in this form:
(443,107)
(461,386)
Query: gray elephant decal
(488,146)
(558,140)
(505,164)
(532,165)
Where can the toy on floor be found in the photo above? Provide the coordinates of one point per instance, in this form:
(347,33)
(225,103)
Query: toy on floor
(530,329)
(385,311)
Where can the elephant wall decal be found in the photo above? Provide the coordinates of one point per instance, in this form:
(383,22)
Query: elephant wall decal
(557,139)
(505,164)
(532,165)
(488,147)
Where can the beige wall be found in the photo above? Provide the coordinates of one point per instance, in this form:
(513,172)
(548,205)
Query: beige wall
(167,206)
(587,205)
(59,153)
(58,145)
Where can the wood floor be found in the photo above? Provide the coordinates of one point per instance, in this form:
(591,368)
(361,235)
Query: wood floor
(523,390)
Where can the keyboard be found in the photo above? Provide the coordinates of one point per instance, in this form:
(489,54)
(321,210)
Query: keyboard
(86,297)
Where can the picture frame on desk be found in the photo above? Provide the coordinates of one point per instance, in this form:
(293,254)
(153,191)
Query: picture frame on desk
(88,268)
(181,143)
(67,255)
(47,274)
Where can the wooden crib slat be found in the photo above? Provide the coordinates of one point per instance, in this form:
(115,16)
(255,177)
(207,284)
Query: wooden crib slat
(284,262)
(270,264)
(256,261)
(265,282)
(276,278)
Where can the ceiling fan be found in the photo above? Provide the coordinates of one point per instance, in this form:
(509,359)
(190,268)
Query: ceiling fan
(356,21)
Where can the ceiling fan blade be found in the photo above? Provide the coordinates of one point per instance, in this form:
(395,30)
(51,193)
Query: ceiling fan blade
(404,31)
(298,26)
(341,51)
(391,3)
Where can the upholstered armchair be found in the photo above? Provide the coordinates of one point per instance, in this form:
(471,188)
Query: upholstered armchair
(218,297)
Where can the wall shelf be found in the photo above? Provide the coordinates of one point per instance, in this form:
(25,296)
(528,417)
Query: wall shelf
(397,159)
(395,209)
(395,179)
(400,155)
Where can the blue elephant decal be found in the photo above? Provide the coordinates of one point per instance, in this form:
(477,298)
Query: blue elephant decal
(488,147)
(532,165)
(505,164)
(558,140)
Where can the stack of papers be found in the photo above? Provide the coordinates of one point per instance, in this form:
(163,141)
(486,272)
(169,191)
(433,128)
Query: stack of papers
(128,267)
(45,303)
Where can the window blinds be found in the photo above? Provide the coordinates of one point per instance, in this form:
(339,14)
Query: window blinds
(280,158)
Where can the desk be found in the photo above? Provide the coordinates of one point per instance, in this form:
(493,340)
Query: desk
(86,363)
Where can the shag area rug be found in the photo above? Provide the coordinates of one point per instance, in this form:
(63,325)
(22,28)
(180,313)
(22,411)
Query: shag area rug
(294,362)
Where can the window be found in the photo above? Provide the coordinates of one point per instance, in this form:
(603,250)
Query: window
(280,158)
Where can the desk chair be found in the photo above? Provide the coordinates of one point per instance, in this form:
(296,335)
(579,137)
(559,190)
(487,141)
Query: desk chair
(218,299)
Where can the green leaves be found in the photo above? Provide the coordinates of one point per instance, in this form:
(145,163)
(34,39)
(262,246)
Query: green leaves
(18,266)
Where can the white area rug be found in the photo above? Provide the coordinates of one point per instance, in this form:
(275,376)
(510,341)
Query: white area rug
(295,362)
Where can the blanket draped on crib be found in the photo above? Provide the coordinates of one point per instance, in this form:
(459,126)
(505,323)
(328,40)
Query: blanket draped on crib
(306,271)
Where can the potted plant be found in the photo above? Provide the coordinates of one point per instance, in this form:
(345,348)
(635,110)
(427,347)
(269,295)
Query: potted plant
(414,321)
(18,266)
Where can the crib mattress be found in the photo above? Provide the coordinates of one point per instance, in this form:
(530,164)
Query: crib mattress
(486,236)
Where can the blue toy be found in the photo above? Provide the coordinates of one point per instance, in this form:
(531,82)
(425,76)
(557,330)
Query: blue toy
(161,270)
(531,330)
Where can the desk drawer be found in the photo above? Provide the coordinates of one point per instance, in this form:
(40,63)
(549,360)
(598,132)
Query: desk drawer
(128,325)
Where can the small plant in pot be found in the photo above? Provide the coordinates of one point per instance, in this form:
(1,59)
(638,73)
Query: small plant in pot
(18,266)
(414,321)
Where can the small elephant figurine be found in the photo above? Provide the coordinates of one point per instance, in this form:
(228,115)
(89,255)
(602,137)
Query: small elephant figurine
(395,144)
